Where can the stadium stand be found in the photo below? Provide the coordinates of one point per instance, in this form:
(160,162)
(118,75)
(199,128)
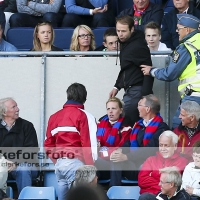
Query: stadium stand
(22,38)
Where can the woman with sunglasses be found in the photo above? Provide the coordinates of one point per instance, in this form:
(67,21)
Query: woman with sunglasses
(82,39)
(43,38)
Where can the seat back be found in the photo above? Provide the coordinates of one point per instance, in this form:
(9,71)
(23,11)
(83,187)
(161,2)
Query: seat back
(9,192)
(50,180)
(124,192)
(22,38)
(38,193)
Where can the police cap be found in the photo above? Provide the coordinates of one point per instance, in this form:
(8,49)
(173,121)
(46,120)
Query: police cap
(188,21)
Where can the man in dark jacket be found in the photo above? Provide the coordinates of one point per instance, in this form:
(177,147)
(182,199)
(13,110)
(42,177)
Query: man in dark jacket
(144,12)
(170,183)
(169,23)
(17,140)
(133,52)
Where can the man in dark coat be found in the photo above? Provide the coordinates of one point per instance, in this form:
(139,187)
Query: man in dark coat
(144,12)
(133,52)
(18,139)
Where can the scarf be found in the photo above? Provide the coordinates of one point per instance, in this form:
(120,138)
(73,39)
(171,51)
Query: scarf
(138,14)
(104,123)
(149,131)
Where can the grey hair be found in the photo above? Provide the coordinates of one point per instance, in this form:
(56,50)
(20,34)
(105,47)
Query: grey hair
(173,175)
(3,108)
(170,134)
(153,102)
(192,108)
(85,174)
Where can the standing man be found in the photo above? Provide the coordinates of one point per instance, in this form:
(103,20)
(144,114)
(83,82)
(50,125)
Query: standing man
(17,132)
(185,62)
(133,53)
(71,138)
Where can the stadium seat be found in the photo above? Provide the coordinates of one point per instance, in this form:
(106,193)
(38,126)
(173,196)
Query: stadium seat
(124,192)
(127,181)
(9,192)
(22,38)
(47,193)
(50,180)
(103,181)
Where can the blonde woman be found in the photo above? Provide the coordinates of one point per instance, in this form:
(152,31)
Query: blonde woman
(82,39)
(43,38)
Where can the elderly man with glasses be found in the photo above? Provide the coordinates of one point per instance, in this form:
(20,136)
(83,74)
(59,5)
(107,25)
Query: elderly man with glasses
(189,128)
(184,64)
(170,185)
(149,175)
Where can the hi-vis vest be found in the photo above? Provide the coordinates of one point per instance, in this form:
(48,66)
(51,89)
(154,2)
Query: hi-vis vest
(191,75)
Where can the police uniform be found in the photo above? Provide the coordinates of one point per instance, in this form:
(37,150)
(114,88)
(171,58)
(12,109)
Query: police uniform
(185,64)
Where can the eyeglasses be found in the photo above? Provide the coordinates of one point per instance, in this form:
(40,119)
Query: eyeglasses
(195,156)
(83,36)
(178,29)
(142,105)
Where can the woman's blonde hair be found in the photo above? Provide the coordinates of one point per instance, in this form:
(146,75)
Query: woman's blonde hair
(36,41)
(74,46)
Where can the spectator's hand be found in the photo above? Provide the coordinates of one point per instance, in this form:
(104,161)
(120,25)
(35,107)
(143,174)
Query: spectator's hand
(100,10)
(145,69)
(189,190)
(11,165)
(113,93)
(118,156)
(51,1)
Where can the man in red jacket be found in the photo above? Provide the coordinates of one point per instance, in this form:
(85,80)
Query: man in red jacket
(149,176)
(71,138)
(189,129)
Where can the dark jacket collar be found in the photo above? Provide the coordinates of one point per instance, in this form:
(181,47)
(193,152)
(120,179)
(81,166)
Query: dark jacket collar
(16,127)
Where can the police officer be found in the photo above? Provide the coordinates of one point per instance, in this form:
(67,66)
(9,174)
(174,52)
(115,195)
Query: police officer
(185,63)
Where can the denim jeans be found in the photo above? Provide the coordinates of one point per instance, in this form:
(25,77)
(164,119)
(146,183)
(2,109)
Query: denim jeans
(65,169)
(24,174)
(176,121)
